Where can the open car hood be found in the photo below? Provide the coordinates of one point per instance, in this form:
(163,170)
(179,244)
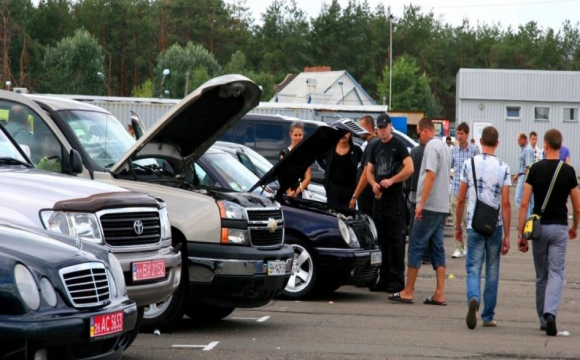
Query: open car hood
(195,123)
(293,166)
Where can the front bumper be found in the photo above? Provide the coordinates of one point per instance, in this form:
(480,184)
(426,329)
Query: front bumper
(145,292)
(236,276)
(347,266)
(65,333)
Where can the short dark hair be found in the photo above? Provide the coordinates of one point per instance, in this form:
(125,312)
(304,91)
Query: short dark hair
(463,127)
(426,123)
(523,136)
(489,136)
(368,121)
(533,133)
(554,139)
(448,139)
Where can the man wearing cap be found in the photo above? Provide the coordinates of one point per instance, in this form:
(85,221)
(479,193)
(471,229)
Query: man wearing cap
(389,164)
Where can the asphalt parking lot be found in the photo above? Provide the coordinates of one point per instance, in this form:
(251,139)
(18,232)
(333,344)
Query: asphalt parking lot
(353,323)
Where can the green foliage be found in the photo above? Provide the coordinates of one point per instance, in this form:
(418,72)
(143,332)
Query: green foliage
(237,64)
(411,89)
(144,90)
(72,65)
(200,75)
(180,61)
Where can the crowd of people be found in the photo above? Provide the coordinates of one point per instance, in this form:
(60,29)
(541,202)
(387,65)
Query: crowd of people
(467,182)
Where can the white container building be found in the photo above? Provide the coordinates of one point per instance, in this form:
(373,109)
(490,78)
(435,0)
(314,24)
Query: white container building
(515,101)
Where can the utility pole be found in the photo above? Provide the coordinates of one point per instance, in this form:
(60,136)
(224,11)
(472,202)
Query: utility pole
(390,57)
(186,84)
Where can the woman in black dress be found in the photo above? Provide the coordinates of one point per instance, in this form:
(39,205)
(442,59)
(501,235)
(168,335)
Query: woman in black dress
(340,167)
(296,136)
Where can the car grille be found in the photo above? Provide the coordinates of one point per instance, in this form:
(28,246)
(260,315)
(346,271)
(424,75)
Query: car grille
(261,235)
(364,271)
(87,285)
(121,228)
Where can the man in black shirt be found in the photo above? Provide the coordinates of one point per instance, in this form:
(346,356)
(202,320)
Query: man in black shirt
(363,194)
(550,249)
(389,164)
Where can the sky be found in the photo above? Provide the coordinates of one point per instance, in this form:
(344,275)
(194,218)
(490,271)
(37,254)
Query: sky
(547,13)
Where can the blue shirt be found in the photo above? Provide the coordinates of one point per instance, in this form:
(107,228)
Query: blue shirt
(527,158)
(458,157)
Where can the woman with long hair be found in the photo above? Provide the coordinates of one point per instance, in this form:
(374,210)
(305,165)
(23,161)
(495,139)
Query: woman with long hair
(296,136)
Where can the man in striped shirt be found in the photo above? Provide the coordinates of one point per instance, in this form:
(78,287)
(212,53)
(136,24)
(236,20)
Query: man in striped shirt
(459,153)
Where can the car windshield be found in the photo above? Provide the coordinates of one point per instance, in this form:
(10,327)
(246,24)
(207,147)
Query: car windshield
(101,135)
(9,151)
(236,175)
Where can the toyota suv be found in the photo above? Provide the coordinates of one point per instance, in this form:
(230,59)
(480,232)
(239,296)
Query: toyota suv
(134,226)
(234,254)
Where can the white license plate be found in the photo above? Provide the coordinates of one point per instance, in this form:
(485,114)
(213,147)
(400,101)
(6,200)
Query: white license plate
(376,258)
(146,270)
(276,268)
(107,324)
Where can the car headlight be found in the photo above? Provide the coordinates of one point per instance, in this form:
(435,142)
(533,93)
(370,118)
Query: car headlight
(48,292)
(118,275)
(229,210)
(165,224)
(373,227)
(27,286)
(344,231)
(83,226)
(353,238)
(113,285)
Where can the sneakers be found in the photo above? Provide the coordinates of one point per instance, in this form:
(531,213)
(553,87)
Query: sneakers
(471,319)
(457,254)
(491,323)
(551,325)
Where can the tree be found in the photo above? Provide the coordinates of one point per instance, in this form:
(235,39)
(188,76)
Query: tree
(183,62)
(72,65)
(411,89)
(144,90)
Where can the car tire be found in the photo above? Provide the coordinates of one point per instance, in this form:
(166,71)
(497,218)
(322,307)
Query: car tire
(304,270)
(165,314)
(133,334)
(206,314)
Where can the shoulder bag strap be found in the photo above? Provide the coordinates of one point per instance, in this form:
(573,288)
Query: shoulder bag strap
(551,186)
(474,178)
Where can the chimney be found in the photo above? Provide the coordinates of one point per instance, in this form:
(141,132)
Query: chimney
(317,69)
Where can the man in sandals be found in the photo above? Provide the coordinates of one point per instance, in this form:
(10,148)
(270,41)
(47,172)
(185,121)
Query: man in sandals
(550,249)
(430,215)
(493,184)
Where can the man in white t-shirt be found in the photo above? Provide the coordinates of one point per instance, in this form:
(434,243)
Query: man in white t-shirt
(534,146)
(492,185)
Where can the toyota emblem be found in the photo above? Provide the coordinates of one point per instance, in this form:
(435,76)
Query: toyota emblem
(138,227)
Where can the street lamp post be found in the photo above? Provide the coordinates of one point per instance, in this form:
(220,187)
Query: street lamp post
(165,73)
(342,91)
(390,57)
(102,77)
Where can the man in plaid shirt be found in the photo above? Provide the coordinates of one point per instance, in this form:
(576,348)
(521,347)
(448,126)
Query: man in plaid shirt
(459,153)
(527,158)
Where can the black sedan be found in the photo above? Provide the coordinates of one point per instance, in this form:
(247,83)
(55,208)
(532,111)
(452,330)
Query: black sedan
(333,246)
(59,300)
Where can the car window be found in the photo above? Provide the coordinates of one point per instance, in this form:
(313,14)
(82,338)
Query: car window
(245,160)
(249,138)
(204,178)
(33,135)
(234,175)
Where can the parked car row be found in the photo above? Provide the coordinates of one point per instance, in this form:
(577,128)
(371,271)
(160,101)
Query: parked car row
(121,235)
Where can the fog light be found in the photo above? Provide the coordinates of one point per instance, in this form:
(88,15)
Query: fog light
(40,355)
(353,272)
(177,277)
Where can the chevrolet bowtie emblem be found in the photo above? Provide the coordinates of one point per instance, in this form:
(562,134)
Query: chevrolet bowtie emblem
(272,225)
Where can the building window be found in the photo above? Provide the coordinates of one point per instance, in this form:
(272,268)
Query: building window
(542,113)
(570,114)
(513,112)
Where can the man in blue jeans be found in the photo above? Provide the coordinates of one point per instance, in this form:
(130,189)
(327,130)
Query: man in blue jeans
(526,159)
(493,185)
(550,249)
(430,214)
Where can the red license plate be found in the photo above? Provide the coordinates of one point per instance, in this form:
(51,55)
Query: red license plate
(147,270)
(102,325)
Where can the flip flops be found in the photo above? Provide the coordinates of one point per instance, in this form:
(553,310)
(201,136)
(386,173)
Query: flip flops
(431,301)
(396,297)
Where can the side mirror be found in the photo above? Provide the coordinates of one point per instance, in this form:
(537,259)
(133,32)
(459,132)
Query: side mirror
(76,162)
(138,125)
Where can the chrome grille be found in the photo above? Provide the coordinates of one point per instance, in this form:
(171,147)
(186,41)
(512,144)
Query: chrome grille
(119,228)
(87,285)
(262,233)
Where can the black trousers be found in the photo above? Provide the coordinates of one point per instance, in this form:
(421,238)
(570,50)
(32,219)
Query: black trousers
(366,201)
(339,195)
(389,218)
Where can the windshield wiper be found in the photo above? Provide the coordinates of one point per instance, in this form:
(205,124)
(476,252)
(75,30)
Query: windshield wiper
(12,161)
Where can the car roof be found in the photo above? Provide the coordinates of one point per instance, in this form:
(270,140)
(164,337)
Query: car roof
(58,103)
